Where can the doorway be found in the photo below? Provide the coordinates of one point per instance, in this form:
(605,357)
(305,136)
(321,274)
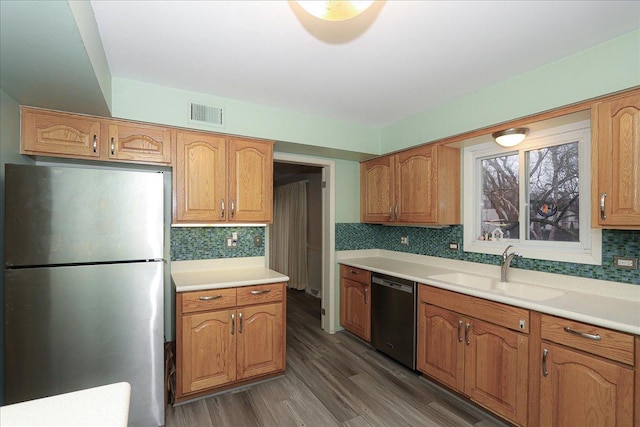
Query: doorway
(317,174)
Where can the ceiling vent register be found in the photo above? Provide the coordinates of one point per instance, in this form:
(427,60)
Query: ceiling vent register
(206,115)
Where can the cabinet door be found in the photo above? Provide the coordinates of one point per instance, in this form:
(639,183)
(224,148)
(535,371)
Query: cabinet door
(139,143)
(49,133)
(208,350)
(618,154)
(199,180)
(355,310)
(250,181)
(441,345)
(261,340)
(581,390)
(496,366)
(376,190)
(416,185)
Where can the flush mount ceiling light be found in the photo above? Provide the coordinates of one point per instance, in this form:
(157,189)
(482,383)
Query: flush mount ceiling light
(335,10)
(510,137)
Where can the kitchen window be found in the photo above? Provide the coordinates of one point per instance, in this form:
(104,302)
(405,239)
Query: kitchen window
(535,196)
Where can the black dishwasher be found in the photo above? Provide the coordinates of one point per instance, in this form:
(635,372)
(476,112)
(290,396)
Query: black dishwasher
(393,318)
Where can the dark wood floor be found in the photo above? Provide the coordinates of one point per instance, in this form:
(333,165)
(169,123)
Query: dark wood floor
(331,380)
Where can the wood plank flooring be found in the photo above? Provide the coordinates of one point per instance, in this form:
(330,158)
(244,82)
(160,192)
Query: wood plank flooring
(331,380)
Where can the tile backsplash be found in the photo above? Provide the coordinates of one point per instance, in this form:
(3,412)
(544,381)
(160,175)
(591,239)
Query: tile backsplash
(193,243)
(435,242)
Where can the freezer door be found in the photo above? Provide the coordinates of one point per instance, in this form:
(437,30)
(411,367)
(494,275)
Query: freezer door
(71,328)
(63,215)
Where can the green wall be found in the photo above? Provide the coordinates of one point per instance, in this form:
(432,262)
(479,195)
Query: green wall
(600,70)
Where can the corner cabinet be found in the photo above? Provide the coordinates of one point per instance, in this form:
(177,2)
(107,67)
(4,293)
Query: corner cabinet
(355,301)
(586,376)
(56,134)
(416,186)
(476,347)
(228,337)
(616,163)
(220,179)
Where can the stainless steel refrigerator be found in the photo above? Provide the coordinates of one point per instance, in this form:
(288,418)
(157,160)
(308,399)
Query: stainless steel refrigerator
(84,284)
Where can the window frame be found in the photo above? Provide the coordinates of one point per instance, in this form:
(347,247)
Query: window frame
(587,251)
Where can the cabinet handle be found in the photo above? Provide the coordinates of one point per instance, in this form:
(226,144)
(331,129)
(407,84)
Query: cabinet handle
(240,328)
(260,291)
(602,214)
(233,323)
(366,292)
(210,297)
(233,207)
(354,272)
(545,352)
(396,211)
(221,208)
(595,337)
(466,333)
(459,330)
(390,212)
(113,147)
(95,143)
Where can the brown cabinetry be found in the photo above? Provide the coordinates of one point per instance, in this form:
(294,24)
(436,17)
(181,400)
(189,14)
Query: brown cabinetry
(55,134)
(219,179)
(355,301)
(587,375)
(225,337)
(616,163)
(476,347)
(415,186)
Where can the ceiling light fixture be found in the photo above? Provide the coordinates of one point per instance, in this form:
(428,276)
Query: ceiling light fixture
(335,10)
(510,137)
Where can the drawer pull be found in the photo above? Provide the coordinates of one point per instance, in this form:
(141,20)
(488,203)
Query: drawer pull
(210,297)
(113,147)
(595,337)
(354,272)
(545,352)
(233,323)
(95,143)
(260,291)
(459,330)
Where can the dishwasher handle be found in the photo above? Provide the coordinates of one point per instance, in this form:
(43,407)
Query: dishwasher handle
(397,286)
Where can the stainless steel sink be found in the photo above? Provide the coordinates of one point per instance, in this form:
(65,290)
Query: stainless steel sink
(512,289)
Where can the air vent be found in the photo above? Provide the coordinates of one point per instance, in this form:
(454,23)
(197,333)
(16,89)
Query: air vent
(206,115)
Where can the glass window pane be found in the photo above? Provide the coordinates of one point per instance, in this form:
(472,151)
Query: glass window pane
(500,196)
(553,193)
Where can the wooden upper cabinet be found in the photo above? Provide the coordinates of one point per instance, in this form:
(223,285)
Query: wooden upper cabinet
(58,134)
(137,142)
(616,163)
(376,187)
(416,186)
(250,175)
(199,178)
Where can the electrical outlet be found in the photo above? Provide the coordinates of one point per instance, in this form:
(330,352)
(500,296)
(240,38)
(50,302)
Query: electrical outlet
(628,263)
(404,240)
(257,240)
(453,246)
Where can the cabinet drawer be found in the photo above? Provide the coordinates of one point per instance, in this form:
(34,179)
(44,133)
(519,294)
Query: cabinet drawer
(259,294)
(354,273)
(208,300)
(582,336)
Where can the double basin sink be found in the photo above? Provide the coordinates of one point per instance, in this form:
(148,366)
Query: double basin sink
(512,289)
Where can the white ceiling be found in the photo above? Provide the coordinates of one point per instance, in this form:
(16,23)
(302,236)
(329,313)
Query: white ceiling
(397,59)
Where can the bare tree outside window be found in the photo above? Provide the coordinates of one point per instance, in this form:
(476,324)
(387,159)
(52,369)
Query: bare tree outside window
(500,195)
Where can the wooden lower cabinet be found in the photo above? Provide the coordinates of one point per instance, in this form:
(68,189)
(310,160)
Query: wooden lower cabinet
(355,301)
(217,348)
(487,362)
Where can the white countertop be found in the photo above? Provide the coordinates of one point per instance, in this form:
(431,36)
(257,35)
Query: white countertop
(607,304)
(215,274)
(99,406)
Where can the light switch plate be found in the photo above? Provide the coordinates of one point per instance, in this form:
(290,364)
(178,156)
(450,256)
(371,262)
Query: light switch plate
(627,263)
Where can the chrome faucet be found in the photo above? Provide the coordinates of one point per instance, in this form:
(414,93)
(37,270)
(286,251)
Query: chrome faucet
(506,262)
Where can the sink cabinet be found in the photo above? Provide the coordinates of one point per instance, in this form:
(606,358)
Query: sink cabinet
(476,347)
(416,186)
(616,158)
(355,301)
(228,337)
(220,179)
(56,134)
(586,376)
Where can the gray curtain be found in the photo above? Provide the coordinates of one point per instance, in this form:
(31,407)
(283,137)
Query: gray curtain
(288,248)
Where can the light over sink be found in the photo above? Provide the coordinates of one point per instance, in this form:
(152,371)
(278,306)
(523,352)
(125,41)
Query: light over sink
(512,289)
